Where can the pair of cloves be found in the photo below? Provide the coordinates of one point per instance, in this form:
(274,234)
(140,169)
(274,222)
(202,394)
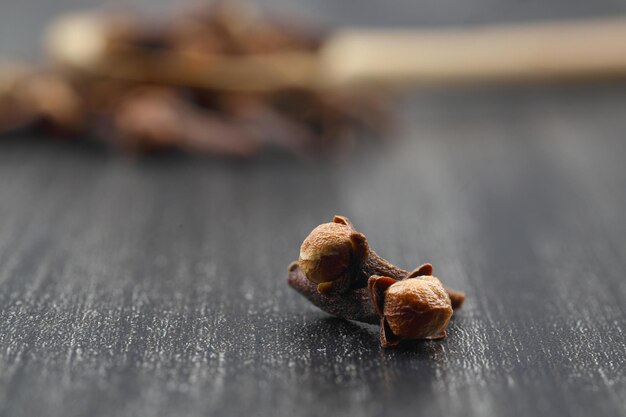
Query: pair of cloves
(340,274)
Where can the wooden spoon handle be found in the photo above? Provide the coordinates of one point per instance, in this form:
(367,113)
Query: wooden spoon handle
(521,52)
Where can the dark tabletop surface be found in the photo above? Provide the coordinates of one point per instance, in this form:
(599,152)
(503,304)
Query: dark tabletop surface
(158,287)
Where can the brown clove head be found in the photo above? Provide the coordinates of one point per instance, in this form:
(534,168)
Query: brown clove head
(338,258)
(327,254)
(416,308)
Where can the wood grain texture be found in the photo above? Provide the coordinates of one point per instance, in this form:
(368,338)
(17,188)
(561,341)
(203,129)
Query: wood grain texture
(158,287)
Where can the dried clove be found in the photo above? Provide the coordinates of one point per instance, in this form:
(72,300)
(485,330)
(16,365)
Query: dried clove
(123,101)
(161,118)
(269,126)
(57,104)
(334,264)
(354,304)
(415,309)
(43,99)
(14,113)
(412,309)
(338,258)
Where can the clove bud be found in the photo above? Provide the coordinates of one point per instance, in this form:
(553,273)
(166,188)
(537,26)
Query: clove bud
(416,308)
(413,310)
(340,274)
(110,81)
(338,258)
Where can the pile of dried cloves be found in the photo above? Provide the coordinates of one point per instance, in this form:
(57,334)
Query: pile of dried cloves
(140,113)
(339,273)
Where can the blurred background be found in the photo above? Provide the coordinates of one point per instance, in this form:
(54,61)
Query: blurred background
(22,41)
(237,79)
(143,256)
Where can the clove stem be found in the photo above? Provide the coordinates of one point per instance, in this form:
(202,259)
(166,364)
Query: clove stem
(351,305)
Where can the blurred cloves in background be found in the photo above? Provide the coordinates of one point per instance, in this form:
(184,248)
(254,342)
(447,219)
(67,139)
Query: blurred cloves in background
(40,99)
(123,103)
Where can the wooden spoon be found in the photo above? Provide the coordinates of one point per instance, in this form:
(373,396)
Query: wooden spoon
(572,50)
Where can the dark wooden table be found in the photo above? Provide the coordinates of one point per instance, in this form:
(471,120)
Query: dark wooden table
(157,287)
